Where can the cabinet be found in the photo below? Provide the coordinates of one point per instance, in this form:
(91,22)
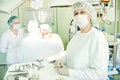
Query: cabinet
(63,16)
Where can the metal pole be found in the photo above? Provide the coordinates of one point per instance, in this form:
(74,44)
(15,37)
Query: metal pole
(56,19)
(115,33)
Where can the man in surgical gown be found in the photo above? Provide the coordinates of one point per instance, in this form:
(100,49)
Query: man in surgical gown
(10,40)
(40,43)
(87,52)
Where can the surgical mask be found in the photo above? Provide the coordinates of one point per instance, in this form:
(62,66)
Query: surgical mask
(81,20)
(16,26)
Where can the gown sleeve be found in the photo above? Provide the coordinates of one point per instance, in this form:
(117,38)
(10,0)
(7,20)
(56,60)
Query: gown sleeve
(4,43)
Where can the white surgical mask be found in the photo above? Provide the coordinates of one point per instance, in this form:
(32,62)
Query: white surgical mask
(16,26)
(81,20)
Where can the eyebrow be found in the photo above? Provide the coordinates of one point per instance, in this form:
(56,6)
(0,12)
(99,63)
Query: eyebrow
(82,11)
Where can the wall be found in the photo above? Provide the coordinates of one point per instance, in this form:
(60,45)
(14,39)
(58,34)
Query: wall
(4,17)
(63,16)
(119,16)
(3,27)
(3,22)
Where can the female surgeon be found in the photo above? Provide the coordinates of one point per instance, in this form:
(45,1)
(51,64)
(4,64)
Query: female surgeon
(87,52)
(10,40)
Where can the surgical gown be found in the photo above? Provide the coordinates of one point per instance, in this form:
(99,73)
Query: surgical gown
(87,56)
(10,44)
(38,47)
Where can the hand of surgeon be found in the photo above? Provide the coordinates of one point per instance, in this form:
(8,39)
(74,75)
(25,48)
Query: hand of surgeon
(61,68)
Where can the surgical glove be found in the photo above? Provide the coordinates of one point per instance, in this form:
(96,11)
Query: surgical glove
(58,64)
(63,70)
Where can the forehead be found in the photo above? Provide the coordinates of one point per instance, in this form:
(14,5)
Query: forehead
(16,20)
(80,9)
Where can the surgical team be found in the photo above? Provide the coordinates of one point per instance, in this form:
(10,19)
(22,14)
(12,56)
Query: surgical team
(87,53)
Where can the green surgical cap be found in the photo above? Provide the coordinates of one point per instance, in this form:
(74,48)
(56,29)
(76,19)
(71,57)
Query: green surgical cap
(10,20)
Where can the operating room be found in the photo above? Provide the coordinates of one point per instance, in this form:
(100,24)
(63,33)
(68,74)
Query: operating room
(43,40)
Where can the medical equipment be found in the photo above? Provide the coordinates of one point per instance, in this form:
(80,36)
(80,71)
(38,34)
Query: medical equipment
(39,65)
(36,4)
(43,15)
(105,1)
(26,70)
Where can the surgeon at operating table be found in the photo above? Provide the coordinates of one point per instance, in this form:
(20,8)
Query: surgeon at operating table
(40,43)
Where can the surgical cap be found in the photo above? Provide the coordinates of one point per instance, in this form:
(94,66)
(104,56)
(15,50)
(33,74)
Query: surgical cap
(45,27)
(10,20)
(87,6)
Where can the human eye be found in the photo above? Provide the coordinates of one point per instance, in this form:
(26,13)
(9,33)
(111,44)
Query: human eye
(82,12)
(76,13)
